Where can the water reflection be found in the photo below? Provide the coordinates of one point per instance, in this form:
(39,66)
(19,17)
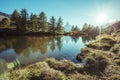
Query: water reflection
(8,55)
(8,60)
(88,38)
(25,50)
(75,38)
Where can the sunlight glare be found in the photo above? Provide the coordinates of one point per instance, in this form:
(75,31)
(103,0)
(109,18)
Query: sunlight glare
(101,18)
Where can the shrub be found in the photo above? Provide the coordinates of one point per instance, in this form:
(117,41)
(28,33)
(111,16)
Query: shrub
(115,48)
(63,65)
(104,42)
(85,50)
(81,77)
(48,74)
(37,71)
(114,77)
(95,63)
(112,72)
(117,61)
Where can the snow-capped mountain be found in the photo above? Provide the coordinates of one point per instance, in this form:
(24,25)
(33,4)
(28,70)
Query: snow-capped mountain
(68,27)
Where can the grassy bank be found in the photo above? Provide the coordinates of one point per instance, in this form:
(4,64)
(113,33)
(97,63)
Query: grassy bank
(52,69)
(49,69)
(101,62)
(102,57)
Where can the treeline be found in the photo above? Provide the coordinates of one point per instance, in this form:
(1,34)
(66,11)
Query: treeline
(24,22)
(114,28)
(32,23)
(88,30)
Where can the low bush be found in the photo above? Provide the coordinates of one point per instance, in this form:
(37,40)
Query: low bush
(63,65)
(104,42)
(115,48)
(117,61)
(95,63)
(48,74)
(114,77)
(81,77)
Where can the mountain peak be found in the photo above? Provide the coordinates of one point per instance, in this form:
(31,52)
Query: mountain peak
(67,27)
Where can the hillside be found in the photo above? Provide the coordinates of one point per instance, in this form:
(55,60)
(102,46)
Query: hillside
(113,28)
(3,15)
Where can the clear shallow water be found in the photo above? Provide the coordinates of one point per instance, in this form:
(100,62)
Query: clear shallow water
(15,51)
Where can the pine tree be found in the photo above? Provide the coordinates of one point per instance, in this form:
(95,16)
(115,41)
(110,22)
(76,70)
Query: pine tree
(72,29)
(76,29)
(33,22)
(23,20)
(60,28)
(43,22)
(52,24)
(15,16)
(24,14)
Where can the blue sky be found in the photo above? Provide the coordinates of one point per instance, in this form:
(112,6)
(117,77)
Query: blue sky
(76,12)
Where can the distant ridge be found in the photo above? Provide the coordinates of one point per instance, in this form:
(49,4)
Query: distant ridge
(3,15)
(114,27)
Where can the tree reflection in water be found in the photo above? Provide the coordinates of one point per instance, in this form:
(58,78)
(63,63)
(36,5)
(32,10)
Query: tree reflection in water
(38,44)
(22,45)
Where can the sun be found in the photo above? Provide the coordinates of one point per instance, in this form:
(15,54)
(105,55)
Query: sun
(101,18)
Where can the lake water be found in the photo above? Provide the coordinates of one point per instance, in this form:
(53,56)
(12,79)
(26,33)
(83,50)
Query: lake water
(16,51)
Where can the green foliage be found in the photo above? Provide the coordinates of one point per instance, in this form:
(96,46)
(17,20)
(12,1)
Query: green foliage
(43,22)
(33,23)
(75,30)
(59,28)
(88,30)
(24,14)
(52,24)
(24,24)
(23,20)
(15,16)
